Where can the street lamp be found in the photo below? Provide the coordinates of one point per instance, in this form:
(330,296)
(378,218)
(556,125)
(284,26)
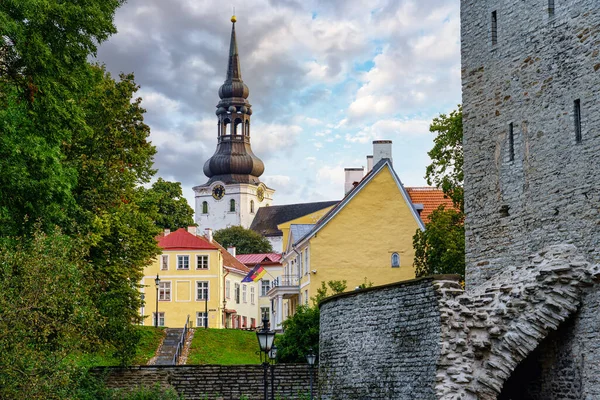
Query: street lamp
(272,358)
(311,357)
(157,283)
(143,298)
(265,342)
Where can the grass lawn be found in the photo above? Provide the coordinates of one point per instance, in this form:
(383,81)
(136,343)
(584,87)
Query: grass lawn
(151,338)
(223,346)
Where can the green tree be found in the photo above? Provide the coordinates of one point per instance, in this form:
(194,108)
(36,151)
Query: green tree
(245,241)
(74,150)
(301,330)
(446,168)
(440,249)
(46,313)
(173,210)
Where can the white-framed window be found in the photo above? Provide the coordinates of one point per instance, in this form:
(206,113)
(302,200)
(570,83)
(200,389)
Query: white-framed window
(306,264)
(227,289)
(161,318)
(306,297)
(395,260)
(265,312)
(204,207)
(251,294)
(201,319)
(265,286)
(183,262)
(164,262)
(164,291)
(202,290)
(237,293)
(201,261)
(301,264)
(252,323)
(244,290)
(251,206)
(244,322)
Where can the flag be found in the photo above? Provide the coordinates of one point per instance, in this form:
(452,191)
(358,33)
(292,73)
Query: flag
(255,274)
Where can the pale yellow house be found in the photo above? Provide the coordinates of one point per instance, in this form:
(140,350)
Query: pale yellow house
(193,273)
(367,235)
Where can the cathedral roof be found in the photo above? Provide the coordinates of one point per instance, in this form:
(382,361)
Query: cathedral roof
(267,218)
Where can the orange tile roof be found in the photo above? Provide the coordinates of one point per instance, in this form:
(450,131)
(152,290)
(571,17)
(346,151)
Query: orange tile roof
(430,197)
(181,239)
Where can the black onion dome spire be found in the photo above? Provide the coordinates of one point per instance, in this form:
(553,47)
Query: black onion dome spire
(234,161)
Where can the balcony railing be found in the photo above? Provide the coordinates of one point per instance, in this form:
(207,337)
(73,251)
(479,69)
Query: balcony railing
(286,280)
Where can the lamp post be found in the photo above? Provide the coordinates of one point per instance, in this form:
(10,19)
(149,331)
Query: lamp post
(265,342)
(157,284)
(143,298)
(272,357)
(311,358)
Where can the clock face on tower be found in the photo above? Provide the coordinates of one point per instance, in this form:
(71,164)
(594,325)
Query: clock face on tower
(218,192)
(260,193)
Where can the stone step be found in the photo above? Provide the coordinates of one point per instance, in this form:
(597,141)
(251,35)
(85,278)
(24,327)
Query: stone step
(169,346)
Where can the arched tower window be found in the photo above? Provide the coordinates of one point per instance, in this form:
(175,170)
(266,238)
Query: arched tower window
(232,205)
(395,260)
(252,206)
(226,122)
(204,207)
(247,128)
(237,124)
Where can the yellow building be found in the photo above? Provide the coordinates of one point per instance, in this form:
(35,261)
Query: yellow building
(367,235)
(192,272)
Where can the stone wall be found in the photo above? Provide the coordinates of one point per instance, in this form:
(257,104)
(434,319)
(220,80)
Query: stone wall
(380,343)
(228,382)
(550,192)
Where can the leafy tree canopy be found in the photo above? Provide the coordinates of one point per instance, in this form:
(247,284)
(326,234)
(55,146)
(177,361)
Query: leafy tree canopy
(173,210)
(301,330)
(440,249)
(446,168)
(245,241)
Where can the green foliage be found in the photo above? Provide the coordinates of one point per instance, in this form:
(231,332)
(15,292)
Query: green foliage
(92,387)
(301,333)
(301,330)
(440,249)
(446,168)
(223,346)
(45,313)
(365,284)
(173,210)
(245,241)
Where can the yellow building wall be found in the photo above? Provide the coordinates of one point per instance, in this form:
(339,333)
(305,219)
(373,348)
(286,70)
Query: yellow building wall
(273,273)
(359,241)
(247,308)
(183,300)
(307,219)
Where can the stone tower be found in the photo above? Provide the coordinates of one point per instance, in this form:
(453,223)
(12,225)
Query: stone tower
(234,192)
(531,83)
(531,103)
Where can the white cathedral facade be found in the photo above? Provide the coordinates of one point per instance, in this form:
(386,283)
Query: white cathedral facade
(234,192)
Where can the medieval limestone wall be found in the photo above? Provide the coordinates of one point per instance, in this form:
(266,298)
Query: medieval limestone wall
(549,193)
(226,382)
(380,343)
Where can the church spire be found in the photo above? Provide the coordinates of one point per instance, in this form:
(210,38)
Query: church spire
(234,72)
(234,161)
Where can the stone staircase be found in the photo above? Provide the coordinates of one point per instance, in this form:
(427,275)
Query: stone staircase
(169,347)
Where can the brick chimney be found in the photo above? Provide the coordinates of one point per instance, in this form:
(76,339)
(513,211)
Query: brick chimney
(192,230)
(167,232)
(209,234)
(369,163)
(231,250)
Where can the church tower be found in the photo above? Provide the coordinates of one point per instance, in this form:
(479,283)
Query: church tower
(234,192)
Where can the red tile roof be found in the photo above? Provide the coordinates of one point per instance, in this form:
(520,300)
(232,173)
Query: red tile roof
(430,197)
(181,239)
(253,259)
(229,260)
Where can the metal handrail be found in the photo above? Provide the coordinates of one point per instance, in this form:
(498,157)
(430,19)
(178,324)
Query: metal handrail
(181,342)
(286,280)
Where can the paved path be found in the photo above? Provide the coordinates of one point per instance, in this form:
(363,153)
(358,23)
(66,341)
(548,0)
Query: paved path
(169,347)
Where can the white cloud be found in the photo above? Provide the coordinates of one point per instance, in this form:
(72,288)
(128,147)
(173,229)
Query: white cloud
(389,129)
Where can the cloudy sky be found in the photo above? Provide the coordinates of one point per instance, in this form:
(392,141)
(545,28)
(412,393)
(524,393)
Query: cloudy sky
(326,77)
